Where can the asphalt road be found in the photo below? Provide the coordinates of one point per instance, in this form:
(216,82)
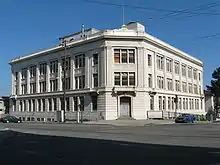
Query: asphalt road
(102,144)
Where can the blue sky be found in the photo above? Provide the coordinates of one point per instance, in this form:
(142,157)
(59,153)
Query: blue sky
(29,25)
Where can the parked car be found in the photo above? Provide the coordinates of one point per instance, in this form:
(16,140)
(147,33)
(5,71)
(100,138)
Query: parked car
(185,118)
(10,119)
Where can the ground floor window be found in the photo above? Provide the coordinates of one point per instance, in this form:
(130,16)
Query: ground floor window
(151,102)
(94,103)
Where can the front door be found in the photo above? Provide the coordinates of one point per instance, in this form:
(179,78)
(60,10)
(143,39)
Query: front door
(125,106)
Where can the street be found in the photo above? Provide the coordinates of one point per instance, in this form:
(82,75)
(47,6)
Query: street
(105,144)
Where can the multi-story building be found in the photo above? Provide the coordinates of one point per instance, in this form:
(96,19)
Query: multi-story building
(109,74)
(4,105)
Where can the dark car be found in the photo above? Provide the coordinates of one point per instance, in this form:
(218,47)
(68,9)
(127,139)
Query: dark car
(185,118)
(10,119)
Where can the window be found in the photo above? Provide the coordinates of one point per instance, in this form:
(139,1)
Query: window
(172,102)
(95,59)
(54,66)
(189,72)
(94,103)
(33,104)
(159,62)
(131,56)
(169,103)
(80,61)
(177,82)
(29,106)
(24,73)
(39,104)
(66,63)
(192,101)
(201,104)
(164,103)
(190,87)
(66,83)
(95,80)
(151,102)
(131,78)
(177,67)
(195,89)
(117,55)
(43,105)
(53,85)
(24,89)
(186,104)
(124,57)
(117,78)
(80,82)
(33,71)
(169,65)
(124,78)
(75,100)
(42,86)
(15,76)
(160,103)
(67,103)
(76,82)
(199,76)
(169,84)
(50,104)
(55,104)
(43,68)
(32,88)
(180,103)
(200,90)
(149,59)
(150,80)
(81,98)
(183,70)
(160,82)
(184,88)
(195,74)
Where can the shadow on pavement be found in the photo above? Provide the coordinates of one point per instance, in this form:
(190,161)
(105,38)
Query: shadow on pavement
(31,149)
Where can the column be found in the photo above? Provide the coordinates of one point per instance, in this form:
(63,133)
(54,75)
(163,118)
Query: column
(47,105)
(28,80)
(59,76)
(71,101)
(87,69)
(58,104)
(109,66)
(27,106)
(17,105)
(37,79)
(140,62)
(19,83)
(102,68)
(72,71)
(36,105)
(165,73)
(48,78)
(154,73)
(12,82)
(173,74)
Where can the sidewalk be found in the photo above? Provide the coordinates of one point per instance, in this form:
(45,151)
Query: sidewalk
(131,122)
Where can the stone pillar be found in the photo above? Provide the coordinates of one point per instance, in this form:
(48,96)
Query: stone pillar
(154,73)
(58,104)
(47,105)
(17,106)
(140,66)
(72,71)
(48,78)
(102,68)
(165,73)
(87,70)
(12,82)
(109,66)
(71,101)
(36,105)
(19,83)
(37,79)
(59,76)
(28,81)
(27,106)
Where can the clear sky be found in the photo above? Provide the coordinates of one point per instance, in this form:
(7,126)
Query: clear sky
(29,25)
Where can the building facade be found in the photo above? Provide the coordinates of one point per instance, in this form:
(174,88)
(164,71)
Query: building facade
(4,105)
(109,74)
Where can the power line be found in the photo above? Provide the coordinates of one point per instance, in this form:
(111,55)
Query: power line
(200,7)
(150,8)
(207,37)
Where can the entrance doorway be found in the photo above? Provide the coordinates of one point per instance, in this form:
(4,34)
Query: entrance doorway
(125,107)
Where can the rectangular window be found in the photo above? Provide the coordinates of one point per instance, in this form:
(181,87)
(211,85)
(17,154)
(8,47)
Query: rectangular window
(76,82)
(164,103)
(66,63)
(160,103)
(75,99)
(53,85)
(24,89)
(192,101)
(29,106)
(151,102)
(195,89)
(50,104)
(54,66)
(124,57)
(184,88)
(117,55)
(160,82)
(43,105)
(39,105)
(131,78)
(199,76)
(117,78)
(169,103)
(125,78)
(66,83)
(189,72)
(160,62)
(42,85)
(195,74)
(180,104)
(177,82)
(183,70)
(149,59)
(169,65)
(150,80)
(43,68)
(95,80)
(81,98)
(190,87)
(33,104)
(186,104)
(169,84)
(177,67)
(33,71)
(15,76)
(172,103)
(24,73)
(32,88)
(80,61)
(55,104)
(67,104)
(94,103)
(131,56)
(95,59)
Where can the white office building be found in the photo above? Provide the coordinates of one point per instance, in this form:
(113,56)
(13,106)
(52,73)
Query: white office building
(110,74)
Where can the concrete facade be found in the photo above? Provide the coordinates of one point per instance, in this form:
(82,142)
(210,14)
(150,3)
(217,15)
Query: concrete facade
(110,74)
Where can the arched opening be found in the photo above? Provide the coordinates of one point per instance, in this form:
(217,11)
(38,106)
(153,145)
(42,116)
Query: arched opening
(125,107)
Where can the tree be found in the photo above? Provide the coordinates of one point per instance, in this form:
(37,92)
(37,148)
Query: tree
(214,88)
